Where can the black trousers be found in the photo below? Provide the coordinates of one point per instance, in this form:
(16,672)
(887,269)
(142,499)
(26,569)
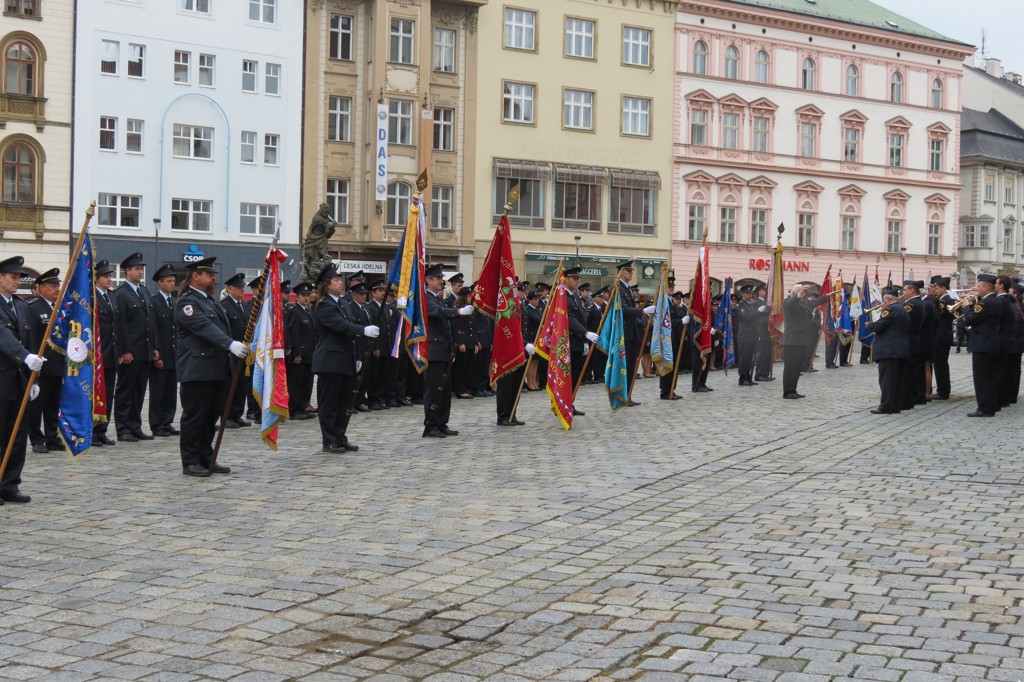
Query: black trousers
(16,463)
(598,362)
(832,351)
(576,360)
(506,390)
(202,403)
(940,370)
(437,396)
(110,377)
(42,413)
(1014,381)
(865,354)
(984,366)
(462,379)
(129,394)
(632,359)
(483,370)
(700,376)
(891,373)
(300,386)
(745,359)
(333,395)
(914,390)
(794,358)
(163,397)
(242,391)
(765,361)
(1008,376)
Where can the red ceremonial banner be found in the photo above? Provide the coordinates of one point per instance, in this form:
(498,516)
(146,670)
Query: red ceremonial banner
(494,296)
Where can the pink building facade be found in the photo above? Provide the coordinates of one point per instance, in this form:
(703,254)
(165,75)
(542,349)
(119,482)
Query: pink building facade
(845,134)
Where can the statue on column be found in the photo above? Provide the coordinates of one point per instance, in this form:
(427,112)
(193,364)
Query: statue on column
(314,246)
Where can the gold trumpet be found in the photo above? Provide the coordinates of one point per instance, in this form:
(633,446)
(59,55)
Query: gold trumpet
(968,301)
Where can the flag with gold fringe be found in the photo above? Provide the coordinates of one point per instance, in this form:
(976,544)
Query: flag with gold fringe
(406,278)
(554,347)
(493,296)
(662,352)
(269,372)
(613,342)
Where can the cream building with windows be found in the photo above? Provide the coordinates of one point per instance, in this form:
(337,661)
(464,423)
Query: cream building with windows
(36,59)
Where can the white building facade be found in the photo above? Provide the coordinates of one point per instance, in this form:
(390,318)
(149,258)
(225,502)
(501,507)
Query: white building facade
(845,130)
(188,128)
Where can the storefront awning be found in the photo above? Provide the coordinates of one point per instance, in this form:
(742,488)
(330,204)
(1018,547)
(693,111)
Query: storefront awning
(518,169)
(634,179)
(582,175)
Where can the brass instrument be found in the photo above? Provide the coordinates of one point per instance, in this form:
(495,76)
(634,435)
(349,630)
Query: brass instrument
(968,301)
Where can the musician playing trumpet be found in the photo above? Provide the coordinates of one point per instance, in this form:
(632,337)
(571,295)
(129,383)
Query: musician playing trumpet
(943,337)
(983,344)
(891,349)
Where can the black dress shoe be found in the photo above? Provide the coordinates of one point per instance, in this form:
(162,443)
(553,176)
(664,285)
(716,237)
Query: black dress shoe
(96,442)
(351,447)
(195,470)
(417,401)
(632,403)
(940,397)
(127,437)
(102,439)
(229,424)
(40,449)
(405,402)
(764,378)
(254,418)
(362,408)
(141,435)
(811,370)
(578,413)
(334,448)
(505,422)
(171,430)
(220,469)
(377,407)
(432,433)
(979,413)
(670,397)
(14,495)
(791,396)
(161,433)
(448,432)
(878,411)
(701,389)
(516,422)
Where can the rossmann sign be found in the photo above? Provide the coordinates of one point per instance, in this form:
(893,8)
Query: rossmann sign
(762,264)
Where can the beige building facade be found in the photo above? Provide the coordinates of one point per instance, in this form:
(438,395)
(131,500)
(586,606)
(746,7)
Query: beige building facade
(406,70)
(575,104)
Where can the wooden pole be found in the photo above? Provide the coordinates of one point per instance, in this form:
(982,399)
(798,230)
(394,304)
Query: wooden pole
(536,338)
(89,212)
(643,342)
(586,361)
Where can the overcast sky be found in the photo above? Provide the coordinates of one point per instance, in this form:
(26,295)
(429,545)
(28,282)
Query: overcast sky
(963,20)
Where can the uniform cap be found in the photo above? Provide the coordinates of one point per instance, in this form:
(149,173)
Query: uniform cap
(204,264)
(585,286)
(49,277)
(165,270)
(573,272)
(236,280)
(436,270)
(14,265)
(327,274)
(457,278)
(286,287)
(358,288)
(102,267)
(991,279)
(625,264)
(132,260)
(303,288)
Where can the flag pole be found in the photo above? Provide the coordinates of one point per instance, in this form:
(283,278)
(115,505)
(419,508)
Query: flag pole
(89,212)
(250,328)
(586,361)
(536,337)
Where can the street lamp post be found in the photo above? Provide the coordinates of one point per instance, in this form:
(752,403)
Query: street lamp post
(577,238)
(156,240)
(903,270)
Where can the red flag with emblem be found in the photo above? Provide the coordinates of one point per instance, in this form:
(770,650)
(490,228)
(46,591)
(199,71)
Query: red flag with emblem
(553,346)
(494,296)
(700,303)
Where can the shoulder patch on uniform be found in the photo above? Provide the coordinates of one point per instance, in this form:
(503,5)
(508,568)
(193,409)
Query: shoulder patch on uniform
(978,308)
(188,310)
(885,313)
(908,307)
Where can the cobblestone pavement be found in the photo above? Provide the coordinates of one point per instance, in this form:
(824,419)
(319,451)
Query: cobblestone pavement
(729,535)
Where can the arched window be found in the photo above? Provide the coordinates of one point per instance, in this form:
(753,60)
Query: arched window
(19,173)
(19,69)
(807,74)
(761,67)
(732,62)
(936,94)
(700,58)
(896,88)
(852,81)
(398,203)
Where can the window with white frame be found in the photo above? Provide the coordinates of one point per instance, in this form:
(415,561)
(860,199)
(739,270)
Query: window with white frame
(118,210)
(248,147)
(520,29)
(273,79)
(970,236)
(761,65)
(1008,184)
(578,110)
(805,229)
(732,63)
(699,127)
(529,211)
(400,121)
(636,46)
(852,81)
(896,150)
(1008,240)
(577,206)
(263,11)
(441,207)
(271,147)
(257,219)
(934,238)
(983,234)
(181,66)
(249,75)
(192,142)
(807,71)
(990,187)
(936,94)
(136,60)
(727,224)
(761,129)
(191,215)
(700,58)
(108,133)
(340,46)
(444,50)
(133,140)
(851,144)
(207,69)
(403,32)
(808,139)
(399,194)
(517,104)
(636,116)
(631,211)
(695,222)
(198,6)
(730,131)
(579,38)
(848,238)
(894,236)
(758,226)
(337,198)
(339,119)
(896,88)
(444,129)
(109,55)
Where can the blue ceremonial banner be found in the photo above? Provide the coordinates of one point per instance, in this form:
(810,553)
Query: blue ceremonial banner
(407,280)
(613,343)
(662,352)
(865,335)
(73,336)
(723,323)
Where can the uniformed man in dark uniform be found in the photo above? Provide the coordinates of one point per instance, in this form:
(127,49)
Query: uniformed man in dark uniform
(929,332)
(374,377)
(764,356)
(580,337)
(507,386)
(300,342)
(892,351)
(163,379)
(984,345)
(338,356)
(748,315)
(238,318)
(943,337)
(16,361)
(632,322)
(437,389)
(533,314)
(801,334)
(483,329)
(598,359)
(455,283)
(42,412)
(1007,343)
(204,373)
(110,348)
(914,386)
(138,350)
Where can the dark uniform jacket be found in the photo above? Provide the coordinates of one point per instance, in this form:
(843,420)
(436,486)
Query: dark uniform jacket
(801,329)
(483,328)
(748,320)
(929,324)
(15,337)
(1007,325)
(632,315)
(983,319)
(915,308)
(106,314)
(594,317)
(892,333)
(300,333)
(577,321)
(439,336)
(201,353)
(135,317)
(166,330)
(238,317)
(944,332)
(39,313)
(337,333)
(532,316)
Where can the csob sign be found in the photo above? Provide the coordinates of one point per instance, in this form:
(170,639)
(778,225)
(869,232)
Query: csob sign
(380,163)
(193,255)
(763,264)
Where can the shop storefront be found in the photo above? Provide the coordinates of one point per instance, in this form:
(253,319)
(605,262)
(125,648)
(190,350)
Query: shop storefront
(598,270)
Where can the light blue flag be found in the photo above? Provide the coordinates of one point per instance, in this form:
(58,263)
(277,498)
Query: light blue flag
(613,343)
(662,353)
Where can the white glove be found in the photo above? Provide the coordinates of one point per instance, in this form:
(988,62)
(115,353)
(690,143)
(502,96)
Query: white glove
(466,310)
(762,309)
(372,331)
(34,362)
(529,349)
(238,349)
(650,310)
(686,319)
(359,365)
(713,331)
(592,337)
(402,301)
(34,393)
(586,348)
